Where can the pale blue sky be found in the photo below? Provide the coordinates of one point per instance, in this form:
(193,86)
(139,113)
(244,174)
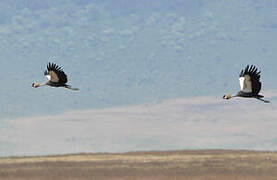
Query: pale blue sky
(130,52)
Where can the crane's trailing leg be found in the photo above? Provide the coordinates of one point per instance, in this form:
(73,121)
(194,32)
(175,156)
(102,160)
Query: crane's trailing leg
(266,101)
(69,87)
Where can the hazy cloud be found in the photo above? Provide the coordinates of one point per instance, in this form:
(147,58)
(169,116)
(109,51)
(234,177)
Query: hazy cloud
(203,122)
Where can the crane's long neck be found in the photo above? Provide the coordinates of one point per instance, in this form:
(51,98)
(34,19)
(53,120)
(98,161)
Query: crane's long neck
(235,96)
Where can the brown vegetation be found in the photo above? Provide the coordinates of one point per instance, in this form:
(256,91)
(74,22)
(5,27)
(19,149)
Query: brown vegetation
(189,164)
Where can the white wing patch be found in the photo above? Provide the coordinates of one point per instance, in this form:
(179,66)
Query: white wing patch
(48,77)
(245,84)
(241,82)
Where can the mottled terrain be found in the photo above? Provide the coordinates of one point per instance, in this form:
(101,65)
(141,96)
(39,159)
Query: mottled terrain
(188,164)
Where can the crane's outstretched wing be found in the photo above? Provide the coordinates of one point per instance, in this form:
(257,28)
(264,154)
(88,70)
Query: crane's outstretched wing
(54,73)
(250,80)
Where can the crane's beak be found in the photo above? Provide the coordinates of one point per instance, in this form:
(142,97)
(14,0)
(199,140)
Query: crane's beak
(35,85)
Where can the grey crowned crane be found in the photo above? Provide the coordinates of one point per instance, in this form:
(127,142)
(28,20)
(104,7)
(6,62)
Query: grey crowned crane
(56,77)
(250,85)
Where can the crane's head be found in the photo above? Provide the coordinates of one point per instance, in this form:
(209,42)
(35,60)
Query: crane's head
(35,85)
(227,96)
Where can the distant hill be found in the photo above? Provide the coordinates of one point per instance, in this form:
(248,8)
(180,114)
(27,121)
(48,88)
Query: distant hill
(123,53)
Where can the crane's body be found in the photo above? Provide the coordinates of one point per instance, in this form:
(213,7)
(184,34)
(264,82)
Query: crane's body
(250,85)
(56,77)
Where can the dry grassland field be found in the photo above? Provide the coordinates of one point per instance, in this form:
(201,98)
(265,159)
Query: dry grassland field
(189,164)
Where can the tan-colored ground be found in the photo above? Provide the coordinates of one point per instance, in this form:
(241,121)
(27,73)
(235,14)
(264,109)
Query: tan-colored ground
(177,165)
